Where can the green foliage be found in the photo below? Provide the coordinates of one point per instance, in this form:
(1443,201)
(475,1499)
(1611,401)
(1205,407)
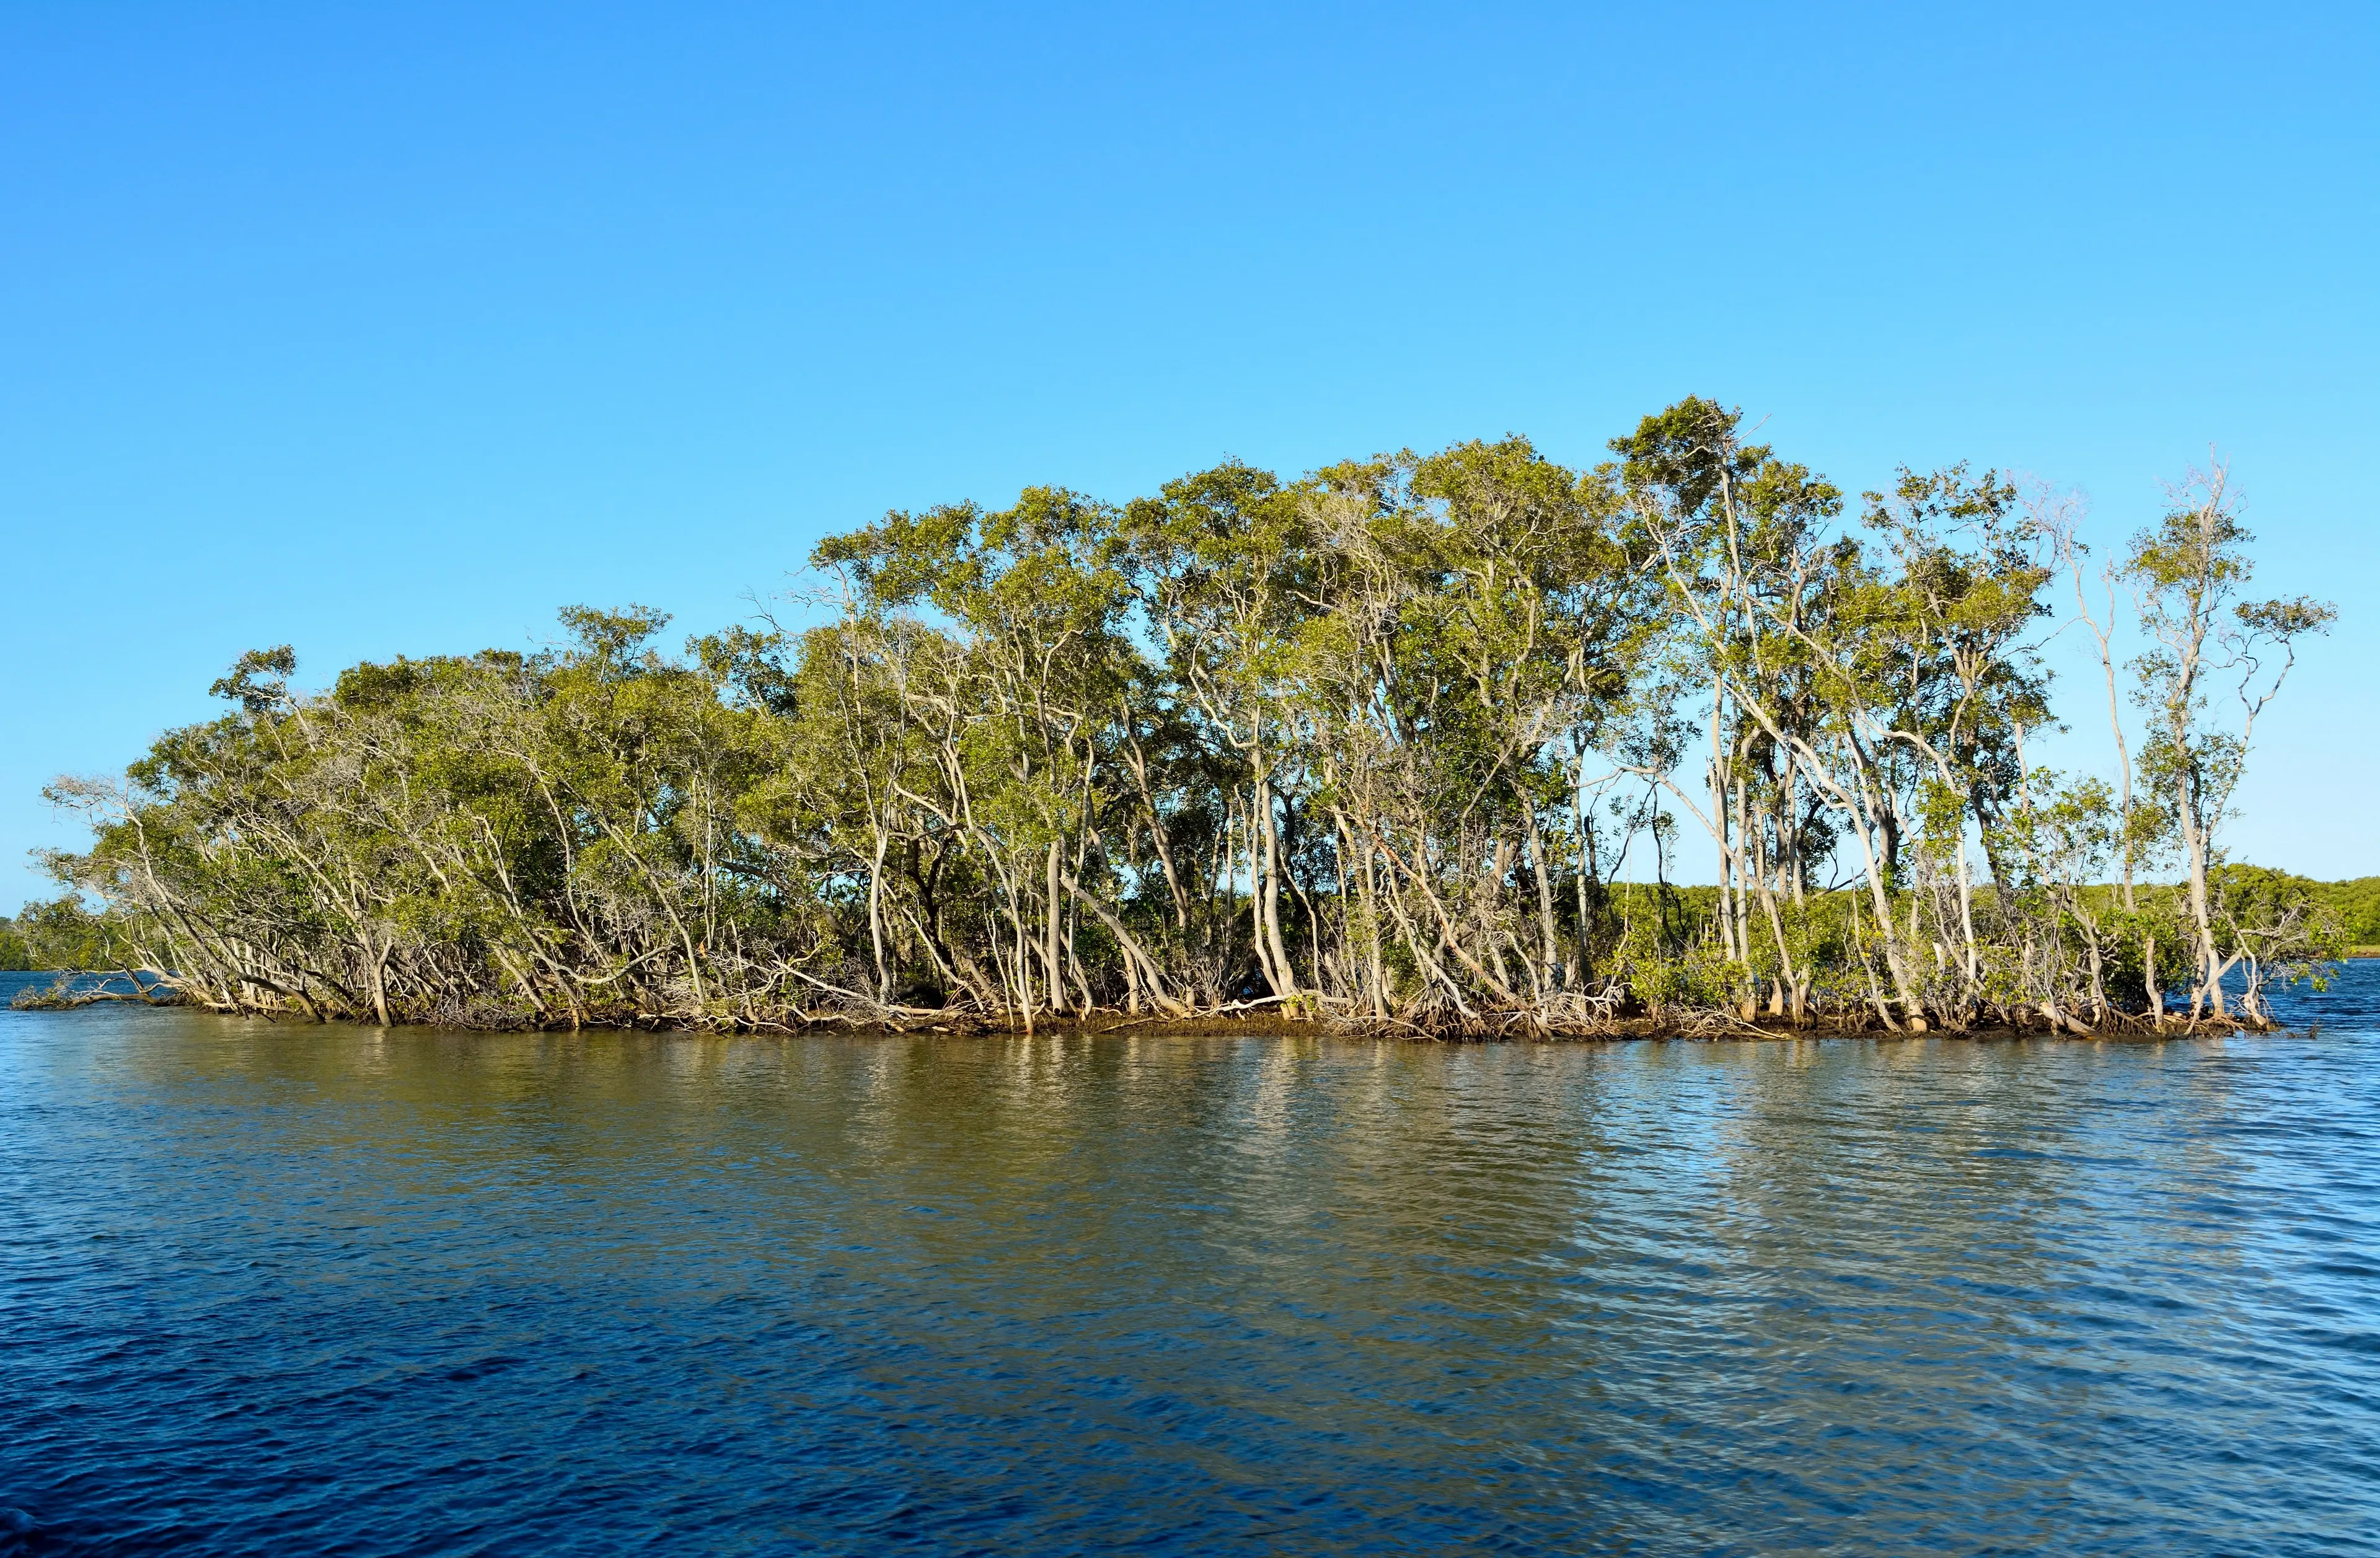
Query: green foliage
(61,933)
(1373,745)
(2355,904)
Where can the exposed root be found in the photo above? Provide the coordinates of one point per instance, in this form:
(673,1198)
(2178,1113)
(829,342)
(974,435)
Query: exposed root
(1578,1022)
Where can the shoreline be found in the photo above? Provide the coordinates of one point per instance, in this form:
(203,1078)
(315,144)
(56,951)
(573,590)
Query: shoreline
(1699,1026)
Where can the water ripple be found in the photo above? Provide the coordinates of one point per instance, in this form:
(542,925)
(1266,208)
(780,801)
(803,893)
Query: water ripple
(279,1289)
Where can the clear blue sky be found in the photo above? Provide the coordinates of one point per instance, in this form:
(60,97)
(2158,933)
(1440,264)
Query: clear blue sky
(390,329)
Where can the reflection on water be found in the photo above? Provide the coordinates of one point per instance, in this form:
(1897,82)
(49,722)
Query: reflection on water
(268,1288)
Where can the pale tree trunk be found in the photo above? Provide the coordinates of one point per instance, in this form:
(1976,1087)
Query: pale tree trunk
(1049,949)
(1287,982)
(1540,868)
(876,918)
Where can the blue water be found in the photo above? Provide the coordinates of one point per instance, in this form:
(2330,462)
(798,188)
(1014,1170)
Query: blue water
(298,1290)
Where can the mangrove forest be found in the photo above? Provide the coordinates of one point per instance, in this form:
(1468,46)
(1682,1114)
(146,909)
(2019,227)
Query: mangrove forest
(1414,744)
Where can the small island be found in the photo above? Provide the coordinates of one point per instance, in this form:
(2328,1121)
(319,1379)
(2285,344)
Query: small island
(1411,744)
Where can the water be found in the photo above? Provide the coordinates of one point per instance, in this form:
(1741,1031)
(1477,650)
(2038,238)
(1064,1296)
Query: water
(269,1289)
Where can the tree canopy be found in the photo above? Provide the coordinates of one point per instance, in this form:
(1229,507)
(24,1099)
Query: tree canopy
(1370,745)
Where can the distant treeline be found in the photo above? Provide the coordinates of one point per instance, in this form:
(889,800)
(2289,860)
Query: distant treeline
(1379,747)
(2357,906)
(59,935)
